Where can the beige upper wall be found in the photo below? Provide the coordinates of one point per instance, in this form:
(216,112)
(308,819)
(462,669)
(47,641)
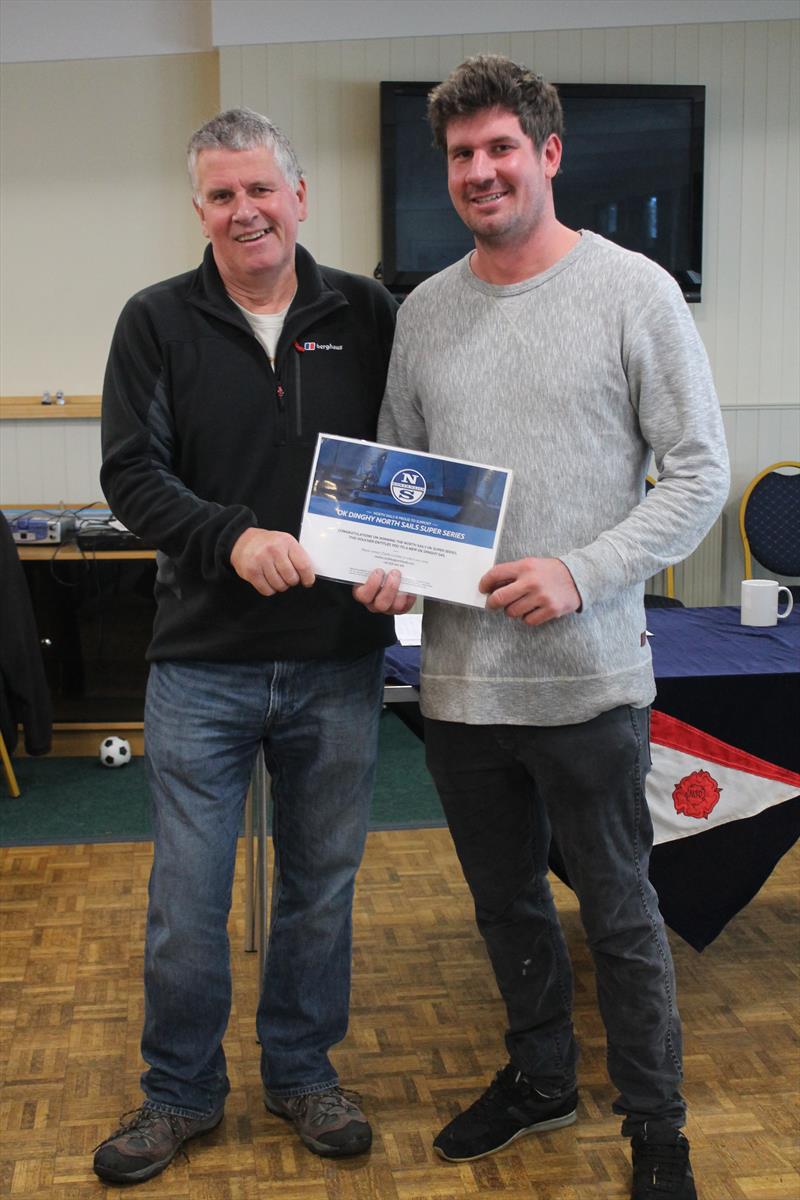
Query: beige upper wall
(96,204)
(325,96)
(41,30)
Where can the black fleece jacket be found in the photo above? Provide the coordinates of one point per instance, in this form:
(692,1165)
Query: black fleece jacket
(202,440)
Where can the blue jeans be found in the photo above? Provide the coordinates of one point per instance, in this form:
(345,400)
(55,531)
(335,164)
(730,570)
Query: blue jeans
(204,725)
(505,791)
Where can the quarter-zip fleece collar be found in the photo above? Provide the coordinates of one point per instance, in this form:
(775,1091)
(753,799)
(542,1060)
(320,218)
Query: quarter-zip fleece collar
(313,298)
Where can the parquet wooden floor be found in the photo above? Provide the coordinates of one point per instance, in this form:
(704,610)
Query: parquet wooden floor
(425,1037)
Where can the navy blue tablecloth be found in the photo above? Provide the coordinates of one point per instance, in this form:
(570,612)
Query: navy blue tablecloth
(742,685)
(685,643)
(691,642)
(737,682)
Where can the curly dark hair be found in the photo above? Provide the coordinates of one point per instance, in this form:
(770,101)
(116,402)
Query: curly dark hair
(493,81)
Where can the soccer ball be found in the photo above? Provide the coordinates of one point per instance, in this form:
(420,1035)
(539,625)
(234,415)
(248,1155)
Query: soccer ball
(115,752)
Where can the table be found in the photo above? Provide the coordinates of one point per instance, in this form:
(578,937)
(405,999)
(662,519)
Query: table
(741,685)
(94,611)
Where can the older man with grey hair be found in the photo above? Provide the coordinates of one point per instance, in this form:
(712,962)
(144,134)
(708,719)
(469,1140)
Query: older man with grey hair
(218,382)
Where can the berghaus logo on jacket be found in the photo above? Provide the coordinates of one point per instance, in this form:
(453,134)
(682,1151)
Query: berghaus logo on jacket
(303,346)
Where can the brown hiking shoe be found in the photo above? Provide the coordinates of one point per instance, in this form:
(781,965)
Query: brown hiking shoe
(329,1123)
(147,1143)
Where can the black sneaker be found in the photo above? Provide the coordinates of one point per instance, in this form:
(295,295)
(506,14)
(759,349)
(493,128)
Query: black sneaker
(661,1166)
(330,1123)
(509,1108)
(147,1143)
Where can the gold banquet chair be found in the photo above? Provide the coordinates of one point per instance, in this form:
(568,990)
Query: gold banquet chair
(769,520)
(8,770)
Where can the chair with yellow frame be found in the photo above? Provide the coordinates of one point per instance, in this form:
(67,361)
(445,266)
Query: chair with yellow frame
(769,521)
(8,770)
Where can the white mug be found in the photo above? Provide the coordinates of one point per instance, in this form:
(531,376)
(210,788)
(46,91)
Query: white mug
(760,602)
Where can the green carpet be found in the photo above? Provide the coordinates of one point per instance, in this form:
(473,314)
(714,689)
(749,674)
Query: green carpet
(78,800)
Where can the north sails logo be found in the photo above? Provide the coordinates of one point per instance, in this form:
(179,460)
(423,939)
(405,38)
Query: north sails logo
(303,346)
(408,486)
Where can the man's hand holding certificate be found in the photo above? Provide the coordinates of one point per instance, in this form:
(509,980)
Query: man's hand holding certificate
(429,525)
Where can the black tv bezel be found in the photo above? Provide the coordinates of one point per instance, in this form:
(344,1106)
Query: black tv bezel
(403,281)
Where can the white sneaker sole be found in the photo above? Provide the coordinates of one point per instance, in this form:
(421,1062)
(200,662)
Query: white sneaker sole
(539,1127)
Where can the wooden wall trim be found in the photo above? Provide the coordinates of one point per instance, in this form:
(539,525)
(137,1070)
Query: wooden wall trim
(30,408)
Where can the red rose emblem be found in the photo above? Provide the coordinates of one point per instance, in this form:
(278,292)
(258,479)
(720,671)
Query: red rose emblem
(696,794)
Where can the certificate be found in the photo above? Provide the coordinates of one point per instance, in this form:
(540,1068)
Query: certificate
(435,520)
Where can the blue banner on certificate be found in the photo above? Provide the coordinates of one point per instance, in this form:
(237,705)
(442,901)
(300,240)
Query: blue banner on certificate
(436,520)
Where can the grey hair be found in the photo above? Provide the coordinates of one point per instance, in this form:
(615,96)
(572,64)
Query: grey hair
(243,129)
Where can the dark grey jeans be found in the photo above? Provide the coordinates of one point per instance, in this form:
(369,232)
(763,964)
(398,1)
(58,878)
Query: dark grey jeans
(505,790)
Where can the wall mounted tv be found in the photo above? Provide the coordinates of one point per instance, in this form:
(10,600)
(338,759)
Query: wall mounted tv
(632,170)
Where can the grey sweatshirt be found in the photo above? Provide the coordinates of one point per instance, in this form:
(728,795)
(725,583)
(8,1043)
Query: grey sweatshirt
(570,379)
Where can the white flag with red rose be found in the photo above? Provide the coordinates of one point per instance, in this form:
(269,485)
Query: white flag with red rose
(697,781)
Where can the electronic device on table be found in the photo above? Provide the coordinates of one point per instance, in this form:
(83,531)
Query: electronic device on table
(40,527)
(90,528)
(100,530)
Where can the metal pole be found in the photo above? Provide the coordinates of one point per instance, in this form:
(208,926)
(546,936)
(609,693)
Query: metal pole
(261,790)
(249,881)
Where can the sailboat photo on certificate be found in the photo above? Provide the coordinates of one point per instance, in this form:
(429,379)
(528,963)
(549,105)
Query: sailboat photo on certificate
(436,520)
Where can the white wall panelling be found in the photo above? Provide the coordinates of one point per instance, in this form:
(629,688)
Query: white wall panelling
(327,100)
(751,278)
(46,462)
(93,159)
(697,577)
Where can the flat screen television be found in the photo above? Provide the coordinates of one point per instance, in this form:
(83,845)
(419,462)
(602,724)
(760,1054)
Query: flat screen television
(632,170)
